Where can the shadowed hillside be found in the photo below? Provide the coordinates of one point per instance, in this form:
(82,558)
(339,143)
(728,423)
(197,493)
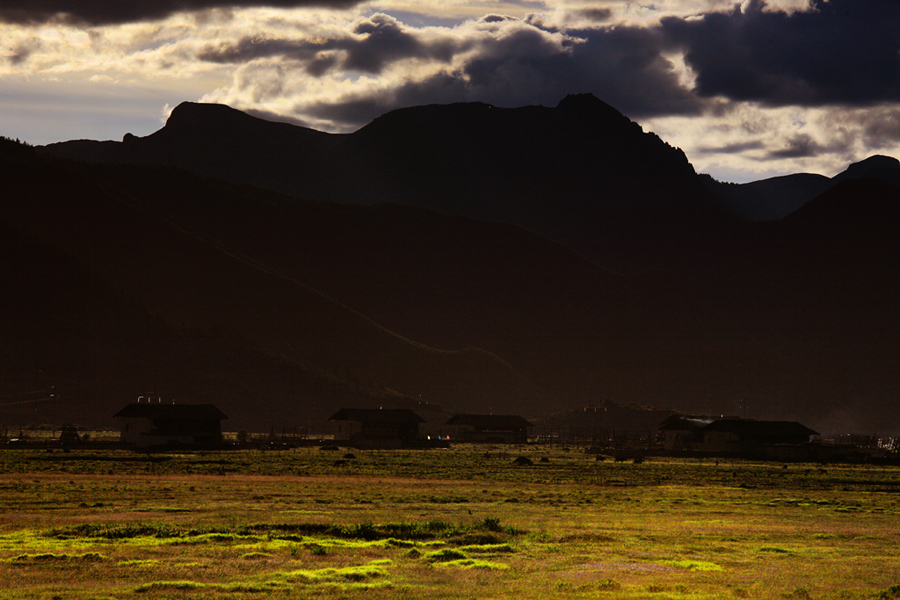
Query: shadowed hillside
(776,198)
(818,289)
(791,318)
(252,291)
(136,301)
(561,171)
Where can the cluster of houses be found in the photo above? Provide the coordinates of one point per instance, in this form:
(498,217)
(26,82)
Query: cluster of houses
(155,424)
(746,437)
(146,425)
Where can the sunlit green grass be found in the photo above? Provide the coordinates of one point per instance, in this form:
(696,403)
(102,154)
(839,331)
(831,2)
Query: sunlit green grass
(441,524)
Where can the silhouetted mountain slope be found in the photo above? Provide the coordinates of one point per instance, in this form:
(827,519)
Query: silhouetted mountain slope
(769,199)
(67,332)
(450,282)
(775,198)
(265,344)
(867,209)
(819,290)
(882,168)
(220,142)
(563,171)
(533,166)
(559,171)
(467,314)
(791,318)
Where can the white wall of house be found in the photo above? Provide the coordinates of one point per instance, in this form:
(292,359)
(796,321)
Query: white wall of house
(346,430)
(132,430)
(719,441)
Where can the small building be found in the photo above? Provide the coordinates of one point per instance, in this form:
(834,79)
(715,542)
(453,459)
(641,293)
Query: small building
(683,433)
(749,436)
(494,429)
(146,425)
(376,427)
(731,435)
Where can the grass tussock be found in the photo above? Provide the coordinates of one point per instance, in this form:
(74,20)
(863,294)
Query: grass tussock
(608,585)
(138,563)
(775,550)
(172,586)
(693,565)
(445,555)
(353,574)
(46,557)
(399,534)
(475,563)
(488,549)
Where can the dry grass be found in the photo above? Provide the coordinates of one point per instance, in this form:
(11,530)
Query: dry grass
(673,530)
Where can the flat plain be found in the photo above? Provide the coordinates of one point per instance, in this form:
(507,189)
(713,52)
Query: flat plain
(465,522)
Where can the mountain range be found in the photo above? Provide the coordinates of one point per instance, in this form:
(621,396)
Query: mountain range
(461,258)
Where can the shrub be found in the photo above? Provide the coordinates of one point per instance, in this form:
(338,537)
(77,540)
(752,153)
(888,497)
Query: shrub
(608,585)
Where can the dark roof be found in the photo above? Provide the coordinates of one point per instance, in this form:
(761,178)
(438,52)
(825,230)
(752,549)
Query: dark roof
(685,423)
(490,422)
(377,415)
(150,410)
(748,427)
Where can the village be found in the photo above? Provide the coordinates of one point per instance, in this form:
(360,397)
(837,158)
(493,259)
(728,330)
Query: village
(151,425)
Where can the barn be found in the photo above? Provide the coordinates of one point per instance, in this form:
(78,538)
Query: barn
(684,433)
(743,435)
(731,435)
(146,425)
(376,427)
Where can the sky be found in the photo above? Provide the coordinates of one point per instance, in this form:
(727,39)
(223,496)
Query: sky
(748,89)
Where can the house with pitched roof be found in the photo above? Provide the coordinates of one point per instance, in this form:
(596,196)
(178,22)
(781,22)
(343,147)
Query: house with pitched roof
(155,424)
(376,427)
(684,433)
(745,436)
(734,436)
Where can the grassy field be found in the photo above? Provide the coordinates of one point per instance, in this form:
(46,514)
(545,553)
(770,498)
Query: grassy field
(459,523)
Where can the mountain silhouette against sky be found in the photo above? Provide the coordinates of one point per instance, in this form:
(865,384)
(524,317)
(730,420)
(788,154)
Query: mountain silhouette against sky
(529,260)
(559,171)
(580,173)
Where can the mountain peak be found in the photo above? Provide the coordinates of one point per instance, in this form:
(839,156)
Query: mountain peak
(193,115)
(588,105)
(884,168)
(878,161)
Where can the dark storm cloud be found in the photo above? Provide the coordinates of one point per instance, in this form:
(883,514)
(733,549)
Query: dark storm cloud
(804,146)
(275,118)
(496,18)
(109,12)
(840,53)
(736,148)
(800,146)
(881,127)
(627,67)
(20,53)
(361,109)
(375,42)
(597,15)
(525,66)
(499,60)
(844,52)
